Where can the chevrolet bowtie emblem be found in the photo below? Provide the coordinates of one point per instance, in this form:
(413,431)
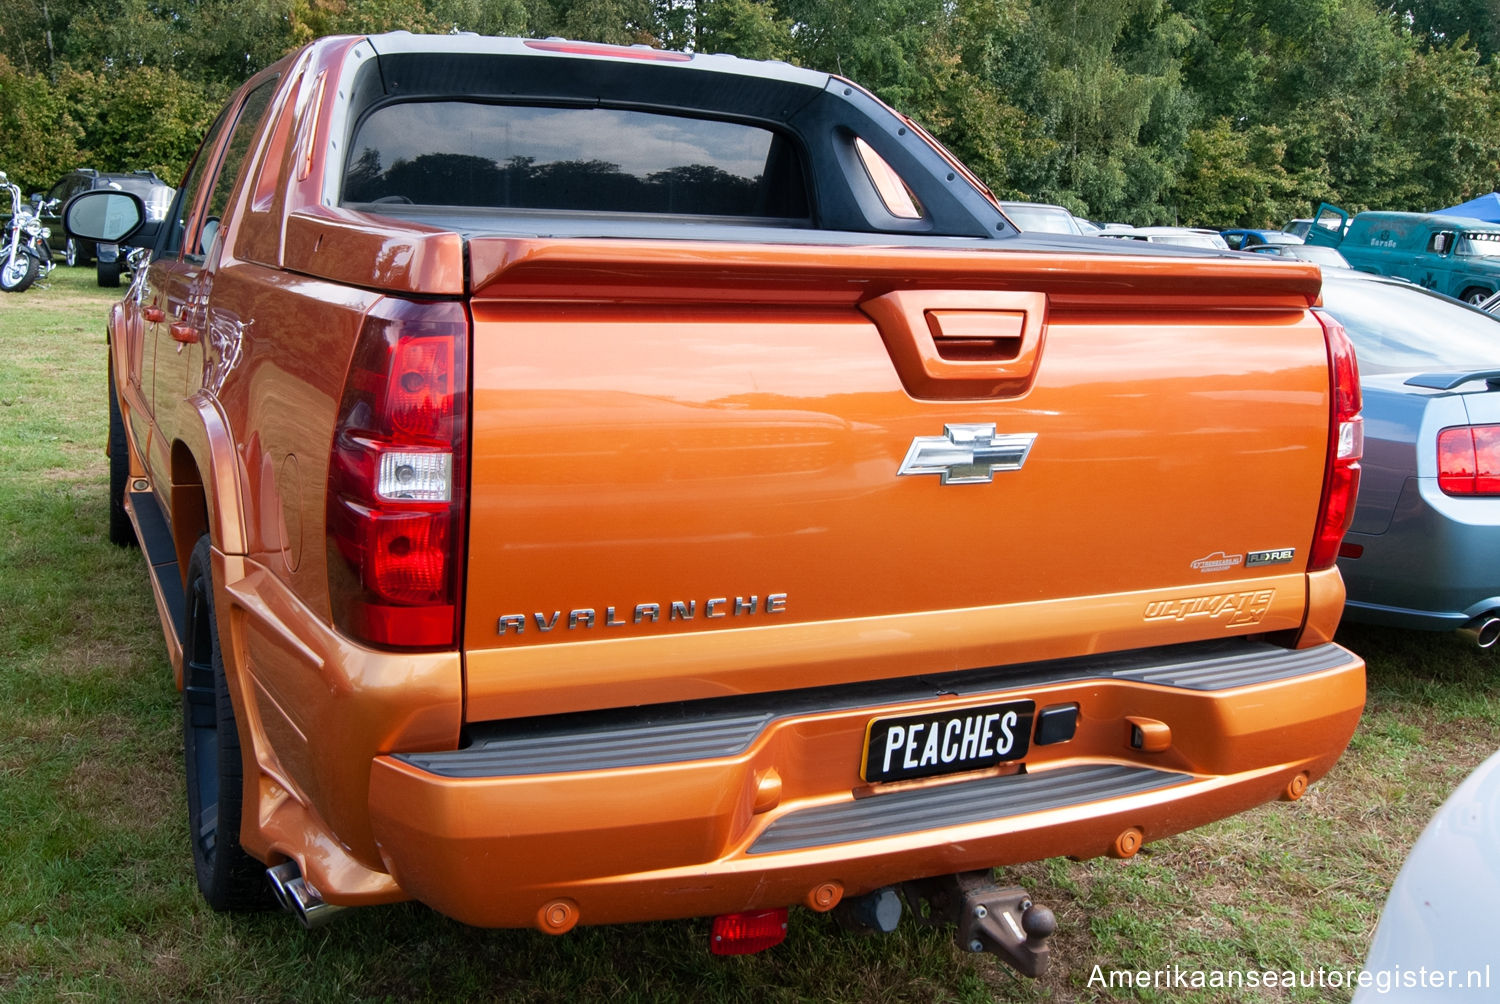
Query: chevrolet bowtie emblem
(967,454)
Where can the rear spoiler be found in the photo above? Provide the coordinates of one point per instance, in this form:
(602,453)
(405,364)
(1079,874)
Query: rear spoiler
(1448,381)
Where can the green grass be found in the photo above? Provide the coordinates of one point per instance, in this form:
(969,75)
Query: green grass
(97,900)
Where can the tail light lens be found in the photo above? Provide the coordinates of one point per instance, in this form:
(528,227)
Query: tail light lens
(1469,460)
(396,478)
(1346,445)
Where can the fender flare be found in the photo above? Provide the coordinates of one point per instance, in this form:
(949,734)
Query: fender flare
(205,441)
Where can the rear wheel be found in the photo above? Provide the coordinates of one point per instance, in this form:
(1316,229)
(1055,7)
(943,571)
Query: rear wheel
(19,274)
(228,878)
(121,531)
(109,272)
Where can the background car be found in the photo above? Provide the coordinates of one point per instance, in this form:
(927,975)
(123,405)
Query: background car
(1040,217)
(1298,227)
(1303,252)
(155,193)
(1423,550)
(1435,939)
(1184,236)
(1245,239)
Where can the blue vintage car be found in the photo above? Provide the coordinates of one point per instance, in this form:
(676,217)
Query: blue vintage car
(1424,548)
(1244,239)
(1451,254)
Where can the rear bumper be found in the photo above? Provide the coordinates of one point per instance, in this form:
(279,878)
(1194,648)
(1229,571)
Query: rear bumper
(1436,567)
(718,806)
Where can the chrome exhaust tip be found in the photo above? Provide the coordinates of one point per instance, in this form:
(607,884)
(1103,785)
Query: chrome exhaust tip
(1484,630)
(298,898)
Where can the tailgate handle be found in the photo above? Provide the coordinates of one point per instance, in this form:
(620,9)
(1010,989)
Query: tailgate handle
(949,344)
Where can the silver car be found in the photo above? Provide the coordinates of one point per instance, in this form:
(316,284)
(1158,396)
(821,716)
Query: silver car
(1424,548)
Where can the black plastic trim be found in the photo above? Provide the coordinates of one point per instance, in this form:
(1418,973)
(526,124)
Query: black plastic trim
(914,810)
(727,726)
(155,536)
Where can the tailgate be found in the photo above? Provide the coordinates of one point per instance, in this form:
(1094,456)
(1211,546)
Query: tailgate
(703,469)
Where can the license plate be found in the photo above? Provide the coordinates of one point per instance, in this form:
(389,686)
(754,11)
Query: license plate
(947,742)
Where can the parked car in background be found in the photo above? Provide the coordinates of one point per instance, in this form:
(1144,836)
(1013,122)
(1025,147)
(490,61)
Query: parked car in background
(1297,227)
(1435,940)
(1423,550)
(1303,252)
(1040,217)
(1184,236)
(1449,254)
(155,193)
(1244,239)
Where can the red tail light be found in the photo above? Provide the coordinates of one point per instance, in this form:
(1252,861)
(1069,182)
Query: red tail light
(1469,460)
(746,933)
(1346,445)
(396,478)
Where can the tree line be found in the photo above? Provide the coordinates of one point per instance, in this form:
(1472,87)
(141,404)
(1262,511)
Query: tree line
(1198,112)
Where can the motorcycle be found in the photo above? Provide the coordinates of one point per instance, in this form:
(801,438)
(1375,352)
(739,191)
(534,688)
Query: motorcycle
(25,256)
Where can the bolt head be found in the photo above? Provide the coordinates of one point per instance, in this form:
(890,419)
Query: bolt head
(976,945)
(980,912)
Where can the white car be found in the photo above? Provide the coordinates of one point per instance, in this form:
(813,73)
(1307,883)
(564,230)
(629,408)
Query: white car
(1436,936)
(1184,236)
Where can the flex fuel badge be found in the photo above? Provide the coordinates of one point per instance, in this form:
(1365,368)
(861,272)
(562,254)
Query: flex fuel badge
(1221,562)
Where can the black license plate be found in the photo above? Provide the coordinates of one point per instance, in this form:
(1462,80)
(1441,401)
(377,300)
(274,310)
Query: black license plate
(947,742)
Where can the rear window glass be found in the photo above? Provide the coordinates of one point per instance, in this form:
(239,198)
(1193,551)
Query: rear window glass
(1398,329)
(458,153)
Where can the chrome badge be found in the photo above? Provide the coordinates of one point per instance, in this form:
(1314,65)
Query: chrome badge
(967,454)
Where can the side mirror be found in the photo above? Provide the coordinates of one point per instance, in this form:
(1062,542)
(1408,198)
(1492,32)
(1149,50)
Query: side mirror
(1440,243)
(108,217)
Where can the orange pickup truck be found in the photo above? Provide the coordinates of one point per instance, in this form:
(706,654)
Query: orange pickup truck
(587,484)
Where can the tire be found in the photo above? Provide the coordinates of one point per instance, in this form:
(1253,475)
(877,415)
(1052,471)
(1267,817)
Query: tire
(18,276)
(228,878)
(75,255)
(1475,295)
(121,530)
(109,273)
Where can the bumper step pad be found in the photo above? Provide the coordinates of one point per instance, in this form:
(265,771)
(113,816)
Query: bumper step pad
(974,801)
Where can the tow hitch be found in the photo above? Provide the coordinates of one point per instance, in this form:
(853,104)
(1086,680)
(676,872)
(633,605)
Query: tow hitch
(989,918)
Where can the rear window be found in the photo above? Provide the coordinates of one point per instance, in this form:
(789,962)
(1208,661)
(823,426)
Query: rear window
(460,153)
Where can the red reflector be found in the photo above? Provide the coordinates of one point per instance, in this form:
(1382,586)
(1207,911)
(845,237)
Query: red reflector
(744,933)
(1347,550)
(1469,460)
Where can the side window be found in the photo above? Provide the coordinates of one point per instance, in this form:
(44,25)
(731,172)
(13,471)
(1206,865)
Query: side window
(894,193)
(245,128)
(194,244)
(191,186)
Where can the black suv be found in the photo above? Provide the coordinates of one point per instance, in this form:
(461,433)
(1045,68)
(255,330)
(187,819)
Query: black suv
(155,193)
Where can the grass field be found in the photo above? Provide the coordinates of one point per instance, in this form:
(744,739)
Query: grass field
(97,900)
